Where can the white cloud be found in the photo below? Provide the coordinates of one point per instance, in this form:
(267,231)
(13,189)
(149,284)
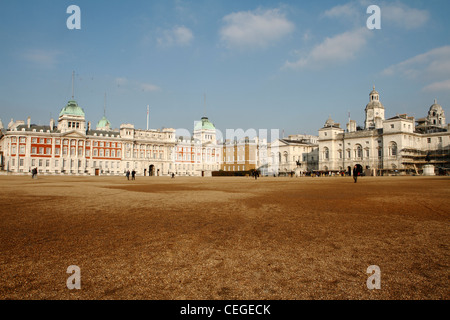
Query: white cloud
(432,64)
(254,29)
(147,87)
(177,36)
(43,58)
(124,83)
(438,86)
(121,81)
(393,14)
(348,10)
(404,16)
(340,48)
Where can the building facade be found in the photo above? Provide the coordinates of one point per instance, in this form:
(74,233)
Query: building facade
(396,144)
(72,147)
(241,154)
(298,154)
(200,154)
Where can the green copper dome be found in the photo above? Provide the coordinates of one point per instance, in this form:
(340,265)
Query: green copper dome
(204,124)
(103,123)
(72,109)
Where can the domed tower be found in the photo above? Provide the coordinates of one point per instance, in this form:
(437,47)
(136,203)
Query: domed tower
(72,118)
(104,124)
(436,116)
(205,131)
(374,111)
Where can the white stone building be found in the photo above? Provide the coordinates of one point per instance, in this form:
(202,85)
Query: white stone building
(384,145)
(298,154)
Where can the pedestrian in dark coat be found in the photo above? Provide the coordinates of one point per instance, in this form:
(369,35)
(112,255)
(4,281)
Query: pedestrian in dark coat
(355,173)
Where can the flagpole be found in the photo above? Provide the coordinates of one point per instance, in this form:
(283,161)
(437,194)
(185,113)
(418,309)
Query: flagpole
(148,106)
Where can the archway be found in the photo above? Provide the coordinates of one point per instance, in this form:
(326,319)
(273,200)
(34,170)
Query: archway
(151,170)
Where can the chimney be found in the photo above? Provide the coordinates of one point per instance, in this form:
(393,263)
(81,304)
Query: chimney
(89,126)
(29,122)
(52,124)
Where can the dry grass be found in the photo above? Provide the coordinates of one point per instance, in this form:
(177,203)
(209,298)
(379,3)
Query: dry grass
(224,238)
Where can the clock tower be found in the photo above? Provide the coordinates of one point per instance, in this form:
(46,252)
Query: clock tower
(374,111)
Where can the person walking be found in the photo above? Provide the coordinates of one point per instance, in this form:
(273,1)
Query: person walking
(355,173)
(33,173)
(133,175)
(128,174)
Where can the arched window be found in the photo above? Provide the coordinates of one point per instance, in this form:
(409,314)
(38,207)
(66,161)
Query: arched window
(393,149)
(326,153)
(359,152)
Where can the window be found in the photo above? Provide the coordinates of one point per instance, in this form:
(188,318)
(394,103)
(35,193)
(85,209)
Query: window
(33,140)
(21,162)
(33,150)
(57,150)
(41,150)
(392,126)
(429,140)
(326,153)
(393,149)
(48,151)
(359,151)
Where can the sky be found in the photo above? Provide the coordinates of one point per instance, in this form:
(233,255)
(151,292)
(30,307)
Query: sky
(285,65)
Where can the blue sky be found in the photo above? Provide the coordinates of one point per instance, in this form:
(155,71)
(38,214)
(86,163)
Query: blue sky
(261,64)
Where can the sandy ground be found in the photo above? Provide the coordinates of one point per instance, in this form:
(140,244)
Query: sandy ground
(224,237)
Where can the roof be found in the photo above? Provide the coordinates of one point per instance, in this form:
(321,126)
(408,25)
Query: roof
(37,128)
(103,133)
(72,109)
(204,124)
(103,122)
(374,104)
